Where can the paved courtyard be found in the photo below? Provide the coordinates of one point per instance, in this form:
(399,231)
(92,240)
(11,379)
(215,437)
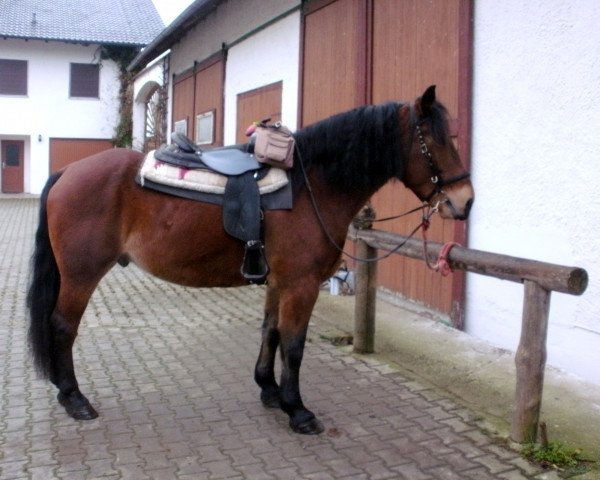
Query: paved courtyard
(170,371)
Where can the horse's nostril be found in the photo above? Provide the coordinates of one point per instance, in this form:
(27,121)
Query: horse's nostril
(468,206)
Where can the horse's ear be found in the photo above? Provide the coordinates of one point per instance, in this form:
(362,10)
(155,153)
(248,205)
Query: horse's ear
(426,101)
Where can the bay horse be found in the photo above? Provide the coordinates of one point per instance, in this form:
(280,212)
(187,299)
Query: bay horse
(93,215)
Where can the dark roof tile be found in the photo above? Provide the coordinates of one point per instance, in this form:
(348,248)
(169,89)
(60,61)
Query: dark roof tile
(128,22)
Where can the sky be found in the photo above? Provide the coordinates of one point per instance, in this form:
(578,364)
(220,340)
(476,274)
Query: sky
(169,10)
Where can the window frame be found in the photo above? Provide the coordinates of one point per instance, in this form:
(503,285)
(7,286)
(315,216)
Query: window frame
(83,89)
(22,83)
(209,114)
(180,126)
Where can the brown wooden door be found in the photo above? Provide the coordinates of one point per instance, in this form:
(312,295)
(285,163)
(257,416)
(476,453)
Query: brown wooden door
(416,44)
(13,156)
(334,77)
(199,91)
(256,105)
(208,97)
(334,49)
(183,105)
(64,151)
(365,51)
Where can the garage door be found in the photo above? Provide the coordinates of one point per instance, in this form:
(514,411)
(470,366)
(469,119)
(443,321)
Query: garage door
(64,151)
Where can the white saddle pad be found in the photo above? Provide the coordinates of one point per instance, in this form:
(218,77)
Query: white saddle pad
(202,180)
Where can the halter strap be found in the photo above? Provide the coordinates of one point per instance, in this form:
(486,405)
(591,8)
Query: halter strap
(436,174)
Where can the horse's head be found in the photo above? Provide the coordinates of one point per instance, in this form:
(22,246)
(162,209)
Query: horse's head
(434,171)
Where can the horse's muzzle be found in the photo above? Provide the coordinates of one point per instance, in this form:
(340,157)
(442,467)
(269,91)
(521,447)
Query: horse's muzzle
(454,209)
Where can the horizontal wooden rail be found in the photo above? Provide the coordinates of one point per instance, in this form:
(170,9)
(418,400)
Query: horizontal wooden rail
(571,280)
(539,279)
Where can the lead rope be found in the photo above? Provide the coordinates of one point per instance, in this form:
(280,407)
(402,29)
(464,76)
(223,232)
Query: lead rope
(442,265)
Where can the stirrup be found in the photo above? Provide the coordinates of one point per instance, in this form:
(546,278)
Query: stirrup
(254,266)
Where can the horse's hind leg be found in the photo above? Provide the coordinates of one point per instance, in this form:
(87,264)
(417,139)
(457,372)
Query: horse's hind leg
(71,304)
(264,372)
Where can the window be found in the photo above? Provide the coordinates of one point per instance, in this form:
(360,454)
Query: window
(13,77)
(85,80)
(205,128)
(12,156)
(181,127)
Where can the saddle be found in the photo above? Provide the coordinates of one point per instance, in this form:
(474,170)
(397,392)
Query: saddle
(231,160)
(232,178)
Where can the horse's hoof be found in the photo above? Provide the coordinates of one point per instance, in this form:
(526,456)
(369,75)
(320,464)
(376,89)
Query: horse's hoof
(270,399)
(77,406)
(311,426)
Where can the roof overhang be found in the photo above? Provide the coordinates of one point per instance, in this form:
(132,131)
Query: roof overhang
(178,29)
(76,41)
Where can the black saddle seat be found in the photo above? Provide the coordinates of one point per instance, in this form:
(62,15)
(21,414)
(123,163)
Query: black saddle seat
(230,160)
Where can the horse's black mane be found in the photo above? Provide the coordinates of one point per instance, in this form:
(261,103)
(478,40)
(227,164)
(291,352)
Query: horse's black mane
(357,151)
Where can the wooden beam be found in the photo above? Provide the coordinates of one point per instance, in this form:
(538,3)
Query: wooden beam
(558,278)
(365,299)
(531,361)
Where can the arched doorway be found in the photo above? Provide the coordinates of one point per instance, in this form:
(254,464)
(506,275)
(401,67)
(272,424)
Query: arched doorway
(155,120)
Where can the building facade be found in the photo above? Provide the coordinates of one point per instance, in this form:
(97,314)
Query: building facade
(518,80)
(59,93)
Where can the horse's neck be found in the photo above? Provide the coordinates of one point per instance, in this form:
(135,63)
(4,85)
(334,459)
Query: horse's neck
(336,209)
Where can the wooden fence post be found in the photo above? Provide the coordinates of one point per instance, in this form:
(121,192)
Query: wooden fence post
(530,361)
(365,299)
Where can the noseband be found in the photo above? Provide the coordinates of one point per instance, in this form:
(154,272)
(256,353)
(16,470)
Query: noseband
(436,174)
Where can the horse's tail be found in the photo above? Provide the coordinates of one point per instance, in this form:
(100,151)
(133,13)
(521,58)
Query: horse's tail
(43,290)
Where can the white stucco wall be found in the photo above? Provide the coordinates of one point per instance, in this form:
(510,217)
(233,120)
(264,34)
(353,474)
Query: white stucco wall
(227,24)
(535,155)
(260,61)
(47,109)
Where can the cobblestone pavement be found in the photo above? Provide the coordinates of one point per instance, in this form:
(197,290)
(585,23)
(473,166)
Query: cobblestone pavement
(170,372)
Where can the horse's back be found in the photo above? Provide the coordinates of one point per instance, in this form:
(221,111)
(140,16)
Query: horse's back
(105,170)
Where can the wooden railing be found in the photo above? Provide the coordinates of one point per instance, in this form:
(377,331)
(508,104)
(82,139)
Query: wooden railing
(539,280)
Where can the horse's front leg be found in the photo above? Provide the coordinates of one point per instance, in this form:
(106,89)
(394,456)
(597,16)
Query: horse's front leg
(264,372)
(294,314)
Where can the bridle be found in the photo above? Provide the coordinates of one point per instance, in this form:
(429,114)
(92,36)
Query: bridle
(436,174)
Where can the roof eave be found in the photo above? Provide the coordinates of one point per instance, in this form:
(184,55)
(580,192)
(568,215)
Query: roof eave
(90,41)
(196,12)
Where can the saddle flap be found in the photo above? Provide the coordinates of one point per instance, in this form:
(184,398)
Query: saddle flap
(241,208)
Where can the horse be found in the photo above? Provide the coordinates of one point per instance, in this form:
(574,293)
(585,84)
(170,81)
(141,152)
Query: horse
(94,215)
